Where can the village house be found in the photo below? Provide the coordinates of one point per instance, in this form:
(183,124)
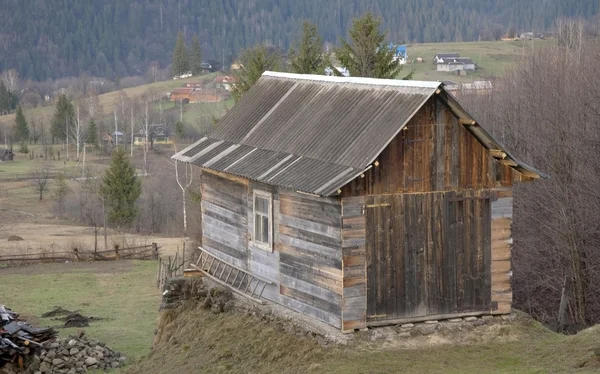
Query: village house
(456,64)
(225,82)
(181,94)
(441,58)
(106,140)
(357,201)
(199,95)
(158,134)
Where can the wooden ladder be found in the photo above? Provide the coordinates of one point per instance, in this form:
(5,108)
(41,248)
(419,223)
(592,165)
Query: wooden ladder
(238,280)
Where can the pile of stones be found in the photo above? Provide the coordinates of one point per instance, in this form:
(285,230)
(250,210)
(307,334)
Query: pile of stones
(76,354)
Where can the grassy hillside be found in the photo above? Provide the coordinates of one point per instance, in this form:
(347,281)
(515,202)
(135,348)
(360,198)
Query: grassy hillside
(107,100)
(194,340)
(198,341)
(492,58)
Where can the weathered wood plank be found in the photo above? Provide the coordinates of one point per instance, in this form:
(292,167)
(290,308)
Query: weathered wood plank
(329,306)
(310,288)
(298,255)
(311,237)
(330,318)
(206,173)
(316,276)
(311,227)
(216,249)
(353,309)
(312,248)
(324,211)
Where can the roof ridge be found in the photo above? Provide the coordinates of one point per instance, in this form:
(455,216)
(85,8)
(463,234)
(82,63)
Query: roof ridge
(355,80)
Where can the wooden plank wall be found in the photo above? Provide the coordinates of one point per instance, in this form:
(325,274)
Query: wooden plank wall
(310,255)
(501,251)
(433,153)
(354,307)
(261,262)
(225,218)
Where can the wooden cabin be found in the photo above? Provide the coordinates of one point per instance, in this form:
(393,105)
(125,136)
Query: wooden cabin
(361,202)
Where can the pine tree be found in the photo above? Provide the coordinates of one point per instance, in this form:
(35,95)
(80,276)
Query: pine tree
(195,56)
(4,98)
(62,114)
(179,129)
(60,191)
(120,189)
(307,56)
(254,62)
(21,127)
(367,56)
(92,136)
(180,63)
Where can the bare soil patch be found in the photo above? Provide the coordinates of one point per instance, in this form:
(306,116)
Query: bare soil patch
(48,238)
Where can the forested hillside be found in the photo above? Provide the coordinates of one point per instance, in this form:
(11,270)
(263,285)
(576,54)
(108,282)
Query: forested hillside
(112,38)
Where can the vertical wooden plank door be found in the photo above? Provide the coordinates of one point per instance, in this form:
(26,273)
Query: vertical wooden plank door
(427,254)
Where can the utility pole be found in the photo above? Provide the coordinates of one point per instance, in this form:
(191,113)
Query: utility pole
(67,135)
(116,130)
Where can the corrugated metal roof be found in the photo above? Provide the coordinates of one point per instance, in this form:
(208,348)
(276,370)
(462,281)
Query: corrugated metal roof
(312,133)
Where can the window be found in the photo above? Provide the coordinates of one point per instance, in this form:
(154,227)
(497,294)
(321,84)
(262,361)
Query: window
(263,234)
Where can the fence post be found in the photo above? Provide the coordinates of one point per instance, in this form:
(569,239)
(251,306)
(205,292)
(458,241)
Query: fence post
(183,259)
(155,251)
(158,273)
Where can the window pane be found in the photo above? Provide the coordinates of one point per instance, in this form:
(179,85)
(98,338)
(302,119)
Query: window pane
(257,230)
(262,205)
(265,229)
(257,203)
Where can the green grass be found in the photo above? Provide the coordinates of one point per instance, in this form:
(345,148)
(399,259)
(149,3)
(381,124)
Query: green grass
(123,293)
(492,58)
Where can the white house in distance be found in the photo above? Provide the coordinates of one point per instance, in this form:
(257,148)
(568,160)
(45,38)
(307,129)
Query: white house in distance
(441,58)
(458,63)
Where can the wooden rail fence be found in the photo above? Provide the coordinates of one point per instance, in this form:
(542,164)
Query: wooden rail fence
(170,267)
(143,252)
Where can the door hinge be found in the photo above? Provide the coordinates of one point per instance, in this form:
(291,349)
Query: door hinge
(494,305)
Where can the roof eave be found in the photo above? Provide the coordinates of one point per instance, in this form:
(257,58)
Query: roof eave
(487,140)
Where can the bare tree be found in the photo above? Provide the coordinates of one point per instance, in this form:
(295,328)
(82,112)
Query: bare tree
(188,178)
(39,179)
(547,109)
(78,132)
(116,127)
(10,78)
(92,105)
(35,128)
(132,123)
(153,72)
(570,35)
(146,128)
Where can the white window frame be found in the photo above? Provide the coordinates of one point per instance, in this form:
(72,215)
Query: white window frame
(269,197)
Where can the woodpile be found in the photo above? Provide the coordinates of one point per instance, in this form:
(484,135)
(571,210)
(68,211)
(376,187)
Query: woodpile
(27,349)
(19,341)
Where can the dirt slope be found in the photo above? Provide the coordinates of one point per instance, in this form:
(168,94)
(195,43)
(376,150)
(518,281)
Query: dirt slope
(193,340)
